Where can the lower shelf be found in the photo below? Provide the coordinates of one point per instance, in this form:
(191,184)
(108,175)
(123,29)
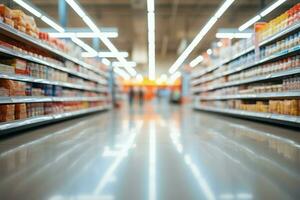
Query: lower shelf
(17,125)
(269,117)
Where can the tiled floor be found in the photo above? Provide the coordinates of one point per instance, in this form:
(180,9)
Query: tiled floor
(158,152)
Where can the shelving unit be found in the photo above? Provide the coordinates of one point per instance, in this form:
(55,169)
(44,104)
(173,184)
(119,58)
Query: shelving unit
(90,73)
(18,125)
(207,82)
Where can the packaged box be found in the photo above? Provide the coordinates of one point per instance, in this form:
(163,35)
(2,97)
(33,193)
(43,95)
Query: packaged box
(20,111)
(7,112)
(19,65)
(9,86)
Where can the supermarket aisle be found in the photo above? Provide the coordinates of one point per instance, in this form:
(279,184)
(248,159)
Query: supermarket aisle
(159,152)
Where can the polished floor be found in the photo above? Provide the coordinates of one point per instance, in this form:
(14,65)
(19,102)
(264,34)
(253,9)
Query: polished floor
(158,152)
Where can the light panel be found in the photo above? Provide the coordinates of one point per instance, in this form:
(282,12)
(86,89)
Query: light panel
(83,35)
(104,54)
(126,64)
(272,7)
(105,61)
(29,8)
(96,30)
(196,61)
(151,38)
(200,36)
(249,23)
(84,46)
(233,35)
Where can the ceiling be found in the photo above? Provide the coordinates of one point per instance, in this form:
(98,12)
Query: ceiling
(176,20)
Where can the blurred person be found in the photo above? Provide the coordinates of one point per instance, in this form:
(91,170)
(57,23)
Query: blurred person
(131,95)
(141,96)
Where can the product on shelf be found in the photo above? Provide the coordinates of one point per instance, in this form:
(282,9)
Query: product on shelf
(7,87)
(20,111)
(7,113)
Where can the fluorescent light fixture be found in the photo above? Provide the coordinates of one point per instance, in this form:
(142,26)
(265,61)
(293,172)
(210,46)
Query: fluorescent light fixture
(196,61)
(150,5)
(29,8)
(83,35)
(52,24)
(223,8)
(121,73)
(139,78)
(200,35)
(105,61)
(84,46)
(209,51)
(101,35)
(112,55)
(249,23)
(233,35)
(126,64)
(151,38)
(104,54)
(174,77)
(272,7)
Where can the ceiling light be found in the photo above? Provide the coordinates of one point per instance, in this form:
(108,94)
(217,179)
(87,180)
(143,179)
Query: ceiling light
(200,36)
(104,54)
(174,77)
(271,8)
(82,35)
(105,61)
(233,35)
(196,61)
(96,30)
(28,8)
(52,24)
(124,64)
(249,23)
(84,46)
(209,51)
(151,38)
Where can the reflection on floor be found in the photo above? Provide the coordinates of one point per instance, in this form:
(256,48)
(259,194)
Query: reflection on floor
(158,152)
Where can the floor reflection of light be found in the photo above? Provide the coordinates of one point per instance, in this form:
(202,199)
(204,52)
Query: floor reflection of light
(122,154)
(152,161)
(238,196)
(199,177)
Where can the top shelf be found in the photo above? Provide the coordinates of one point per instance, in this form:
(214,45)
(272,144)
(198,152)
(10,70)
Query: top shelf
(271,39)
(22,37)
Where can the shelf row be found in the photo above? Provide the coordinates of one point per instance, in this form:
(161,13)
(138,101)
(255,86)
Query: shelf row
(34,121)
(269,95)
(250,80)
(57,83)
(290,120)
(33,99)
(252,48)
(14,53)
(274,57)
(22,37)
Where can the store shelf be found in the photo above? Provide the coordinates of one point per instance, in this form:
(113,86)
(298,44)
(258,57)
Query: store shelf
(274,118)
(35,121)
(14,53)
(205,71)
(43,81)
(248,50)
(32,99)
(281,34)
(10,32)
(274,57)
(270,95)
(250,80)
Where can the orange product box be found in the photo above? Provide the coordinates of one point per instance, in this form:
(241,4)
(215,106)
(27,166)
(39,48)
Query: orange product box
(9,86)
(7,112)
(20,111)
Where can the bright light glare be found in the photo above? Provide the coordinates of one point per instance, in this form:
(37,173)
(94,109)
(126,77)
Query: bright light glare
(121,73)
(196,61)
(106,62)
(220,44)
(174,77)
(200,36)
(139,78)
